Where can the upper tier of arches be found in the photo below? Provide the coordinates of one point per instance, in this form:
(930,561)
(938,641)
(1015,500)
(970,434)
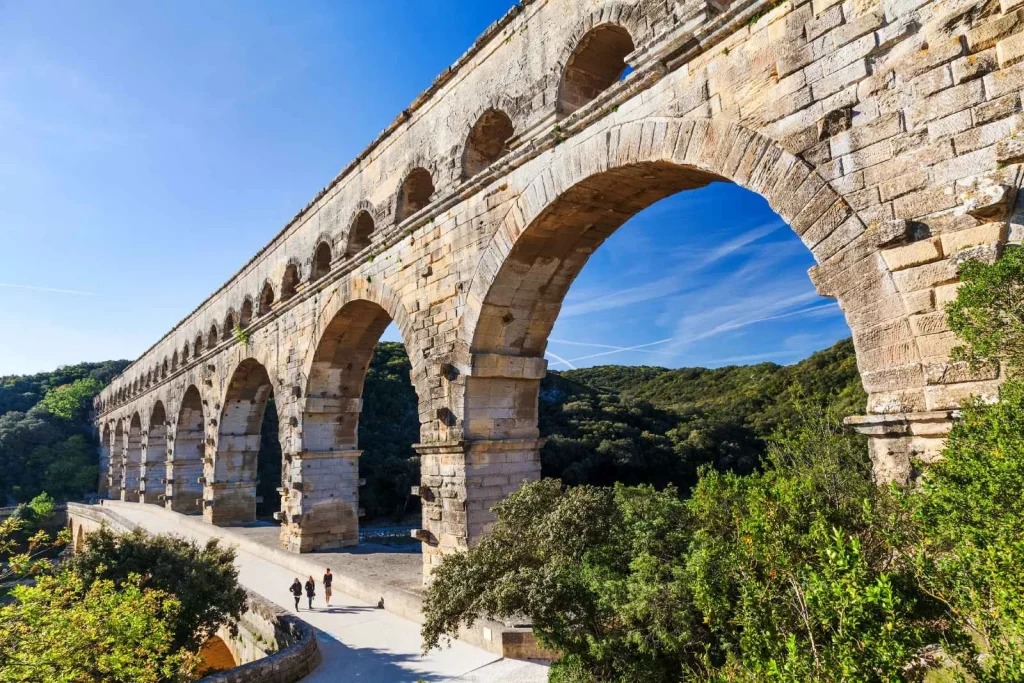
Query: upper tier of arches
(591,57)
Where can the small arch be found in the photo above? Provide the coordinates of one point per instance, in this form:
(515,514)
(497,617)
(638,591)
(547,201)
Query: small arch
(229,326)
(290,282)
(198,346)
(211,339)
(361,232)
(163,369)
(266,298)
(321,261)
(597,62)
(487,141)
(415,193)
(245,317)
(154,456)
(184,353)
(174,361)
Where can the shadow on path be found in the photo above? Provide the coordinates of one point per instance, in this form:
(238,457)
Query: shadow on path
(367,664)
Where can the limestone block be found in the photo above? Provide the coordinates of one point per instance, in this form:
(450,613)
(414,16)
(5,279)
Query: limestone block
(1004,81)
(937,345)
(925,277)
(1010,50)
(949,372)
(922,301)
(983,234)
(914,254)
(974,66)
(990,31)
(945,102)
(951,396)
(994,110)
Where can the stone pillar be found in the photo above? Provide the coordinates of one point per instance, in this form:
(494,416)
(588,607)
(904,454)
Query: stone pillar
(898,441)
(183,474)
(230,495)
(460,482)
(103,485)
(131,470)
(320,502)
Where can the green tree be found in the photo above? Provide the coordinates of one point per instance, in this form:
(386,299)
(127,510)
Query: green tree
(203,579)
(26,546)
(72,401)
(789,574)
(67,629)
(988,312)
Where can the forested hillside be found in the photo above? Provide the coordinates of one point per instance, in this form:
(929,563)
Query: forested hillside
(602,424)
(46,443)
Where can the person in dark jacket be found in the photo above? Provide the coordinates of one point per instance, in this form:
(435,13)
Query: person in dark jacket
(328,580)
(310,591)
(296,590)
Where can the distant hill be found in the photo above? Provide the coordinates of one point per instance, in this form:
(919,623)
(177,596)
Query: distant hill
(602,424)
(657,425)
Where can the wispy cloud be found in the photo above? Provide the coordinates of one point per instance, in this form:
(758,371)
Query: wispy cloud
(614,350)
(740,241)
(11,285)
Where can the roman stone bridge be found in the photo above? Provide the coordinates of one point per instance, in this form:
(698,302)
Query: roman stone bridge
(884,132)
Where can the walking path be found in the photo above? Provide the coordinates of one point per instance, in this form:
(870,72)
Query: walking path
(358,641)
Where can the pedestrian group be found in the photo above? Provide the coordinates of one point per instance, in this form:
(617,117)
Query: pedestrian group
(296,589)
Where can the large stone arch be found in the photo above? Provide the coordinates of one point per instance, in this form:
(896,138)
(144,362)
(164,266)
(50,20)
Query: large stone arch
(154,456)
(320,502)
(231,476)
(582,194)
(131,469)
(183,488)
(116,461)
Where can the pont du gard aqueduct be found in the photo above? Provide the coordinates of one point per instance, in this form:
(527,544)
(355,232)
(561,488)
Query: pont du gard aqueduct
(886,133)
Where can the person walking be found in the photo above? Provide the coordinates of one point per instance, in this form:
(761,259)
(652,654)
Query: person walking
(310,591)
(328,580)
(296,590)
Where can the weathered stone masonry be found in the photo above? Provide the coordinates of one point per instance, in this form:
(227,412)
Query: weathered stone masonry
(885,132)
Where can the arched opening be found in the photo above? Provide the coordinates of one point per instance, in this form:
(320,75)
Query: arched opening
(183,491)
(245,317)
(415,193)
(266,299)
(132,473)
(116,472)
(154,458)
(598,61)
(361,232)
(198,346)
(215,656)
(321,261)
(487,142)
(211,338)
(163,369)
(79,544)
(229,326)
(103,485)
(519,306)
(174,361)
(238,446)
(341,388)
(290,282)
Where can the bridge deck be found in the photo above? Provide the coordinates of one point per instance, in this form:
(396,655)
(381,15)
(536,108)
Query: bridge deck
(357,640)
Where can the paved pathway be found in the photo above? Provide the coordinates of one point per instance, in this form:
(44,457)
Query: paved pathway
(358,641)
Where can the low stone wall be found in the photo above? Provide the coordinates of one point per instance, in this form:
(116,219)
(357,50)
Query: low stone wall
(271,645)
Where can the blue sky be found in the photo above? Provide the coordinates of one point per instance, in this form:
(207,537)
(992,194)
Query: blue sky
(149,149)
